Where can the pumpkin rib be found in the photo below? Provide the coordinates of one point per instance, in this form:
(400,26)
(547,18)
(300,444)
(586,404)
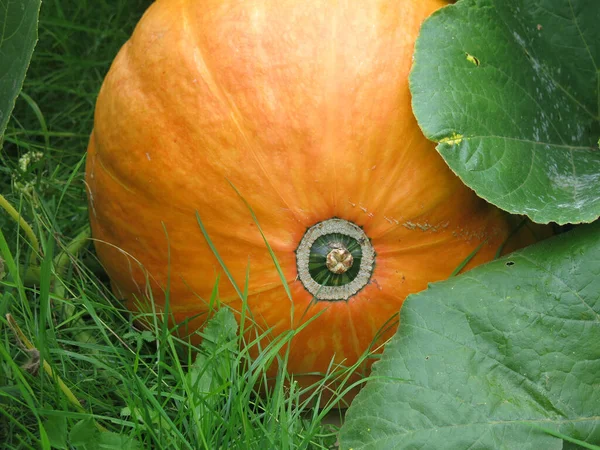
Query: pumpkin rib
(229,103)
(129,257)
(125,60)
(244,238)
(183,210)
(128,58)
(114,177)
(397,169)
(396,163)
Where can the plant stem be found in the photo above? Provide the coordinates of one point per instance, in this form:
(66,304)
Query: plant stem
(12,212)
(31,273)
(62,259)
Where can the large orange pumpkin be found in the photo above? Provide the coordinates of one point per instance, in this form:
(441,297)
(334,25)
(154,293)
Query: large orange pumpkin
(304,107)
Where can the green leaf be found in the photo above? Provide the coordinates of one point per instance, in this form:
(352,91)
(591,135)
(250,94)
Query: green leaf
(212,365)
(492,358)
(18,35)
(221,329)
(211,373)
(56,430)
(510,90)
(84,434)
(113,441)
(147,336)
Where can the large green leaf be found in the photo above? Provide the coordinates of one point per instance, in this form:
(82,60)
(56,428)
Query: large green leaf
(510,89)
(486,359)
(18,35)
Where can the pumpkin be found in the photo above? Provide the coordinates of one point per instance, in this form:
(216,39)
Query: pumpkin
(303,108)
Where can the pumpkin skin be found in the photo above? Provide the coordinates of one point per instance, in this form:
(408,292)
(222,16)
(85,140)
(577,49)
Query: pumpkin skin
(304,107)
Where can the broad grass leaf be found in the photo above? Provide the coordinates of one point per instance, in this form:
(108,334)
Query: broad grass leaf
(84,434)
(56,430)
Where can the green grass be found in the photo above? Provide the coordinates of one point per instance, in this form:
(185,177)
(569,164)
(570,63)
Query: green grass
(75,371)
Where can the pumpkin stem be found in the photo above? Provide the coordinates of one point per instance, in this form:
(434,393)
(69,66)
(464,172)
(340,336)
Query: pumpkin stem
(339,260)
